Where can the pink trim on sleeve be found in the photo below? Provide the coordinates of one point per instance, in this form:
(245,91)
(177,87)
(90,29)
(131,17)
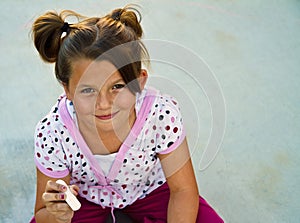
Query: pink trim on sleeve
(175,144)
(50,173)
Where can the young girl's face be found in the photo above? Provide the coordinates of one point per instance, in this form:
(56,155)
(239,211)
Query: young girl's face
(100,96)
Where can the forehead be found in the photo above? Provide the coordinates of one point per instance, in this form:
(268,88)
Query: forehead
(85,71)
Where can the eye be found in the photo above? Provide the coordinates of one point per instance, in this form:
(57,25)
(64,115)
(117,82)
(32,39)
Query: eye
(87,91)
(118,86)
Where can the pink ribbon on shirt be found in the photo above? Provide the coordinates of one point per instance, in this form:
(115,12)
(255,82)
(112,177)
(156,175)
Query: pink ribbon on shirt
(111,191)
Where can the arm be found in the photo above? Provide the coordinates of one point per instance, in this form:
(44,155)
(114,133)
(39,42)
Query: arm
(50,206)
(184,196)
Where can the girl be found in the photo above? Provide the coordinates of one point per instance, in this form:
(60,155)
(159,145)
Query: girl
(118,144)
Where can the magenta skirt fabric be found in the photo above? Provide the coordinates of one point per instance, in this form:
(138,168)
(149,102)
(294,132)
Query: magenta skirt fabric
(151,209)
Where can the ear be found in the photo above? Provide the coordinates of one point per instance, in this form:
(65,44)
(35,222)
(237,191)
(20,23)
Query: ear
(143,78)
(67,91)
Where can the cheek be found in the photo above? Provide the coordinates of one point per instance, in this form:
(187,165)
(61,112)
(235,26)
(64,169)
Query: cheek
(84,106)
(124,100)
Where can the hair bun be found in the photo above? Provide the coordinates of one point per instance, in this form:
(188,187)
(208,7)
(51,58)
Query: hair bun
(47,32)
(128,16)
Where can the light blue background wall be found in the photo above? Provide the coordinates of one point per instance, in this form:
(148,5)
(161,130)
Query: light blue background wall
(252,48)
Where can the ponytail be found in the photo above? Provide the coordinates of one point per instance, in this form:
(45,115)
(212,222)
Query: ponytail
(48,32)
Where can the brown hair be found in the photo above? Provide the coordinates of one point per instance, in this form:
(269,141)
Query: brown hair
(115,37)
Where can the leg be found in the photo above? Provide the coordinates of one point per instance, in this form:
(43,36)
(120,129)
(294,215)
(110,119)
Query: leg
(153,208)
(90,212)
(206,213)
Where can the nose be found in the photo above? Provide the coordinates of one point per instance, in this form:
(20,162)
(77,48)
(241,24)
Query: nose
(103,101)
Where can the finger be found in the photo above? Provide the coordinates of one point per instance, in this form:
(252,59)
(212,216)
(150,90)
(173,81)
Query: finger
(74,189)
(53,197)
(52,186)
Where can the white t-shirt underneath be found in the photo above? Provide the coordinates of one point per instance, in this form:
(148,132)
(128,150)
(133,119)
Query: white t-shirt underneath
(106,161)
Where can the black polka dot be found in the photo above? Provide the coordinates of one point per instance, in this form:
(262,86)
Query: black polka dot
(161,117)
(147,183)
(170,144)
(55,110)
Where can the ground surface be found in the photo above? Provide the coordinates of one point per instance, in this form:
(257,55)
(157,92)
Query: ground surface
(252,48)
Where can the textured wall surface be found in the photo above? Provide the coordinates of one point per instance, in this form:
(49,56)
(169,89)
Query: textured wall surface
(252,51)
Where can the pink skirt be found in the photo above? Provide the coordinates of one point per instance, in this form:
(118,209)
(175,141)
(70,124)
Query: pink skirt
(151,209)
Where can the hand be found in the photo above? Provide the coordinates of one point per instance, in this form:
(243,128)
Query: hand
(54,200)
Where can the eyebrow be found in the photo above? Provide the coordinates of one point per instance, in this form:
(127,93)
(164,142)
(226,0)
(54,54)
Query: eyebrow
(96,87)
(86,86)
(118,80)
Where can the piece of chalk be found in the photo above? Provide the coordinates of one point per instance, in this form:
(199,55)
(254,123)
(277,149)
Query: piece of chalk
(71,199)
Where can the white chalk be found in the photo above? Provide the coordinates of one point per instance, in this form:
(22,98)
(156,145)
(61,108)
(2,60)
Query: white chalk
(71,199)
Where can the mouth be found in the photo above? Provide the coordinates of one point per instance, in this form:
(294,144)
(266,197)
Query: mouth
(106,117)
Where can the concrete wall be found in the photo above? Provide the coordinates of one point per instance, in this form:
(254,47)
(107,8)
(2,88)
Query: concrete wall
(250,48)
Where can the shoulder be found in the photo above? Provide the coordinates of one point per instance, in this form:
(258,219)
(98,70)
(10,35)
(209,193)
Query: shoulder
(165,106)
(51,123)
(164,124)
(52,142)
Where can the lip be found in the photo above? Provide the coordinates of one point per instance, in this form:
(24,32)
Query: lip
(106,117)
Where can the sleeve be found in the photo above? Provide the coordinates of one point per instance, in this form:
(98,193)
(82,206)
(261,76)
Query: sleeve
(170,126)
(49,155)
